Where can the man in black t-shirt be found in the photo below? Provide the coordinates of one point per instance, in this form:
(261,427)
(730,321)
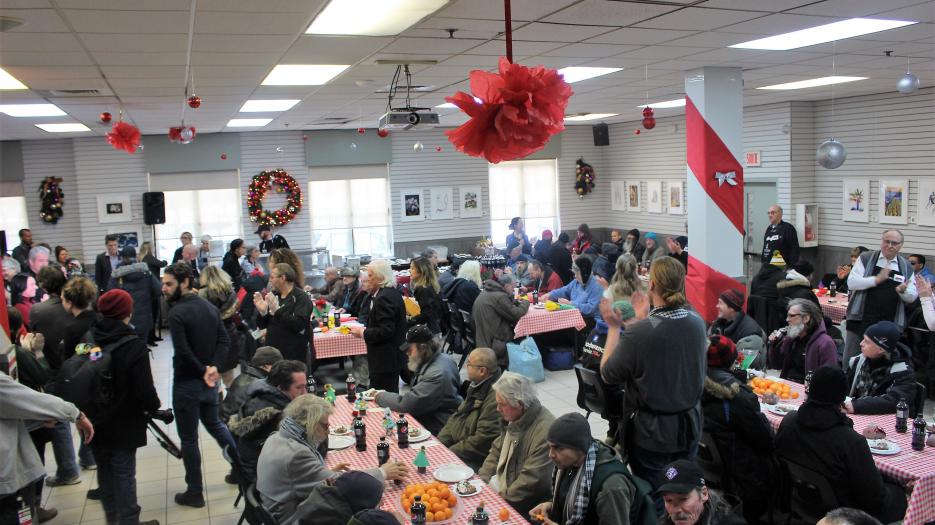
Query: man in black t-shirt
(781,236)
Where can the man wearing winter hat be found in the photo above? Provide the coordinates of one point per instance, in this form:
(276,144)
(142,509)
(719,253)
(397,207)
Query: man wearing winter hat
(632,244)
(589,482)
(736,325)
(820,437)
(258,368)
(118,436)
(337,500)
(882,374)
(689,501)
(653,250)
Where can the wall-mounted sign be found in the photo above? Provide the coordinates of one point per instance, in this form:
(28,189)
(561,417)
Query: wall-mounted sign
(752,159)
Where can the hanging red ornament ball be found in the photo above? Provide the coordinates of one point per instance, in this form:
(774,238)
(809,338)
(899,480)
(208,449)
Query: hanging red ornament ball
(361,130)
(649,122)
(106,117)
(438,148)
(383,133)
(305,138)
(194,102)
(223,156)
(636,131)
(647,111)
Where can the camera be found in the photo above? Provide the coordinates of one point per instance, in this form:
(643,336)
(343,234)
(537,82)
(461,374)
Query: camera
(166,416)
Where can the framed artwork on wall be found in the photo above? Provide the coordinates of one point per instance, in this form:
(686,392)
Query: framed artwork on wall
(856,204)
(894,208)
(806,218)
(442,204)
(925,208)
(470,202)
(676,197)
(413,205)
(114,208)
(618,195)
(633,196)
(654,196)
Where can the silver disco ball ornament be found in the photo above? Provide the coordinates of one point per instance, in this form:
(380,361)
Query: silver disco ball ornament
(907,84)
(417,147)
(831,154)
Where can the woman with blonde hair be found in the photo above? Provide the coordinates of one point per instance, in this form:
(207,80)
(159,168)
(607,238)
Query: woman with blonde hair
(147,256)
(424,285)
(217,289)
(466,287)
(626,280)
(287,256)
(386,327)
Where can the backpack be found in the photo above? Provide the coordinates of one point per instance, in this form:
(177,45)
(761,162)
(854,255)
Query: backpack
(89,383)
(642,508)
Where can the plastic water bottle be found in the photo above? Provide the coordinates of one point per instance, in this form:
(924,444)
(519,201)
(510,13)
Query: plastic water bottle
(902,416)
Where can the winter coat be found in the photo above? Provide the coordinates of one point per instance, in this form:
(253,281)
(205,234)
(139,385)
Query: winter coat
(549,281)
(472,429)
(820,437)
(134,391)
(252,284)
(765,282)
(795,286)
(289,329)
(258,417)
(605,265)
(144,288)
(495,315)
(611,505)
(75,331)
(781,237)
(462,293)
(649,256)
(893,379)
(585,297)
(231,266)
(433,395)
(237,393)
(741,433)
(102,272)
(431,309)
(745,333)
(820,350)
(227,306)
(579,245)
(50,319)
(560,261)
(540,250)
(526,481)
(386,332)
(154,264)
(324,506)
(332,291)
(636,251)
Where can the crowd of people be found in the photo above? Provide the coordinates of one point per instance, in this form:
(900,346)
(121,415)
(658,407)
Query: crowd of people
(672,376)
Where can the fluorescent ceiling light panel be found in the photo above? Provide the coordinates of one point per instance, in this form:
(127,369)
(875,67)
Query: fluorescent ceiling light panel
(7,81)
(577,74)
(448,105)
(63,128)
(371,17)
(677,103)
(248,122)
(822,34)
(260,106)
(303,74)
(589,116)
(814,82)
(31,110)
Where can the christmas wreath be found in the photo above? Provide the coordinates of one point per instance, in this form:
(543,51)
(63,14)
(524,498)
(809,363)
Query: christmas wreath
(283,183)
(52,198)
(584,178)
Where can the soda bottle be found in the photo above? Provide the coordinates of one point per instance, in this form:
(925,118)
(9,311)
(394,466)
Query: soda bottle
(23,512)
(535,297)
(402,431)
(310,385)
(902,416)
(918,433)
(360,433)
(351,388)
(417,510)
(383,451)
(832,289)
(480,516)
(337,320)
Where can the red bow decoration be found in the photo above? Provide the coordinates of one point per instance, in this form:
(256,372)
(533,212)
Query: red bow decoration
(124,136)
(520,109)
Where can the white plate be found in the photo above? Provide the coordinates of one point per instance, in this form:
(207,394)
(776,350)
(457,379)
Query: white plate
(891,448)
(452,473)
(476,482)
(781,409)
(334,432)
(316,330)
(423,435)
(538,306)
(339,442)
(370,395)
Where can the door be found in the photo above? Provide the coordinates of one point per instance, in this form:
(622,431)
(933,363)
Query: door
(759,196)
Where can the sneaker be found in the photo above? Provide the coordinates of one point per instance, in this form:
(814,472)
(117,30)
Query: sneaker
(94,494)
(89,467)
(230,479)
(45,515)
(190,500)
(54,481)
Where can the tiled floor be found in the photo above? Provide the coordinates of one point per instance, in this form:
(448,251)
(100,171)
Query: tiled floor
(159,475)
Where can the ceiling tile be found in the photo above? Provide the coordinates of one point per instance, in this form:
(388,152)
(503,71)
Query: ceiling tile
(234,59)
(333,50)
(265,23)
(779,23)
(591,50)
(924,12)
(852,8)
(602,12)
(637,36)
(138,43)
(126,5)
(711,39)
(133,22)
(696,18)
(135,59)
(37,42)
(266,6)
(431,45)
(493,9)
(26,73)
(543,32)
(771,6)
(58,58)
(473,61)
(902,34)
(36,20)
(520,48)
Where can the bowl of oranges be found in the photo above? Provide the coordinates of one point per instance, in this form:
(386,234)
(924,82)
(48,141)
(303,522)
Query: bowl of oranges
(441,504)
(770,389)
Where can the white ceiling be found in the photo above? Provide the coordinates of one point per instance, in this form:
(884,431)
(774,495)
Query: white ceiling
(134,52)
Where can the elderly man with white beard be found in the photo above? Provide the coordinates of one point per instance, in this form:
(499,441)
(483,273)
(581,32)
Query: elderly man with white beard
(804,345)
(433,396)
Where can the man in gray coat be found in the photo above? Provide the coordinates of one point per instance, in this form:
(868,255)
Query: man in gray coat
(433,395)
(496,314)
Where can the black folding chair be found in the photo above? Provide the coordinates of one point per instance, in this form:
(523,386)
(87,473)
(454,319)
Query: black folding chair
(255,508)
(710,461)
(812,495)
(454,340)
(240,475)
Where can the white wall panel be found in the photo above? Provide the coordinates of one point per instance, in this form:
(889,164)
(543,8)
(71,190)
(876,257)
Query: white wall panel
(52,158)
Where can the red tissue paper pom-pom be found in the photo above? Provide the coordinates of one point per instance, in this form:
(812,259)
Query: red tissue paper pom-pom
(124,136)
(520,109)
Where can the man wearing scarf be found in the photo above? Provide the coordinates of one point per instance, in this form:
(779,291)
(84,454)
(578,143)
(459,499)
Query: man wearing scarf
(589,482)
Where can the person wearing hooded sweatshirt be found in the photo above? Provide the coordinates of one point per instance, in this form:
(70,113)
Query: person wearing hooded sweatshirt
(496,314)
(882,374)
(256,370)
(584,292)
(136,279)
(819,436)
(740,431)
(652,250)
(805,345)
(336,501)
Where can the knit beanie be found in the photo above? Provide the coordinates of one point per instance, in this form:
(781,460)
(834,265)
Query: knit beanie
(546,234)
(722,353)
(635,233)
(115,304)
(625,309)
(884,334)
(650,235)
(733,298)
(360,490)
(777,260)
(266,355)
(828,385)
(373,517)
(571,431)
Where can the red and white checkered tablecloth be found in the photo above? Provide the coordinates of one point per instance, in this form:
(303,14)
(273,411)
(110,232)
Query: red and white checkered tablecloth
(336,344)
(906,467)
(834,307)
(437,454)
(539,320)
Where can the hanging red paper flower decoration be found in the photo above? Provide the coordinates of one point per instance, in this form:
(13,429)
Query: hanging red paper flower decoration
(649,121)
(257,190)
(124,136)
(520,109)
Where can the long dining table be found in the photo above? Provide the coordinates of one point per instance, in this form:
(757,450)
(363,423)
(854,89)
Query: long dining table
(909,467)
(437,454)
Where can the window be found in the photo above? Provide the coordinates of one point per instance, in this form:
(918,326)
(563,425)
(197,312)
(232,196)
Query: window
(527,189)
(13,217)
(202,212)
(351,216)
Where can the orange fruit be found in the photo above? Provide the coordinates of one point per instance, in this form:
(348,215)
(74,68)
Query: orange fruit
(504,514)
(452,500)
(795,395)
(448,514)
(438,507)
(444,493)
(784,395)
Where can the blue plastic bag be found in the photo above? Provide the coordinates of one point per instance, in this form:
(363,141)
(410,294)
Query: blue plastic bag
(526,360)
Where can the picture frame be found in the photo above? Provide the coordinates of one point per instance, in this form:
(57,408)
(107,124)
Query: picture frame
(114,208)
(925,205)
(470,202)
(633,196)
(654,196)
(618,192)
(442,203)
(675,197)
(412,205)
(894,201)
(126,237)
(806,221)
(855,206)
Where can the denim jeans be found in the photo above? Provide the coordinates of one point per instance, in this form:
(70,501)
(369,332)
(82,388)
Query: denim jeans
(63,447)
(194,401)
(116,477)
(86,455)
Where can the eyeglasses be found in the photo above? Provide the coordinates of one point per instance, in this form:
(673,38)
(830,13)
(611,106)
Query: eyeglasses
(892,243)
(793,315)
(469,365)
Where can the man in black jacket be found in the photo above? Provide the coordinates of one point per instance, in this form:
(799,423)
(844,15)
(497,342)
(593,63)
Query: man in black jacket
(780,236)
(106,263)
(386,327)
(560,258)
(882,374)
(200,342)
(256,370)
(231,263)
(117,437)
(285,313)
(49,317)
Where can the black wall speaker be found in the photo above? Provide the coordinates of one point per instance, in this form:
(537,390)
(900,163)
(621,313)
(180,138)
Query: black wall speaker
(154,207)
(601,134)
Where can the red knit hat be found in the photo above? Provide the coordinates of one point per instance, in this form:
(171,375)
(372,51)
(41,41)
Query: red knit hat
(733,298)
(116,304)
(721,352)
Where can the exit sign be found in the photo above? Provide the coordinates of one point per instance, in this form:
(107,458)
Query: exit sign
(753,159)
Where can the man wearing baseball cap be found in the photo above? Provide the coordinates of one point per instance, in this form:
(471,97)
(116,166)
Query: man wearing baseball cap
(268,241)
(882,374)
(688,500)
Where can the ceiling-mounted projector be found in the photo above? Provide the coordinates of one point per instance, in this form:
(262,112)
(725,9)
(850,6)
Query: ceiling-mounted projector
(403,119)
